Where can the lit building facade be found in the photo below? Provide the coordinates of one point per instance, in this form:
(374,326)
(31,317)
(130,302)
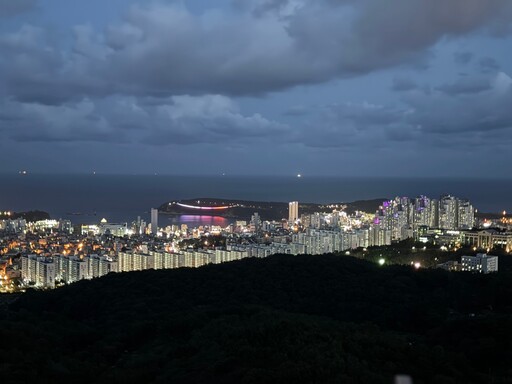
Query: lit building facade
(154,221)
(38,270)
(293,211)
(481,263)
(488,239)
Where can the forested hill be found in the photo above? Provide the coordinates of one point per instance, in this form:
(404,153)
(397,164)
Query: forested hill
(284,319)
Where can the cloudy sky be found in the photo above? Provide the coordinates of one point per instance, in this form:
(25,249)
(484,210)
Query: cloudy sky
(325,87)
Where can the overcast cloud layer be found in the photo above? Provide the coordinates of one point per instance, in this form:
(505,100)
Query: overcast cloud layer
(299,85)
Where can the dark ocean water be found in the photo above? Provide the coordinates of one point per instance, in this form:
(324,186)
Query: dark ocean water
(124,197)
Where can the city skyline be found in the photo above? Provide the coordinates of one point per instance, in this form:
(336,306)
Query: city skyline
(66,253)
(417,88)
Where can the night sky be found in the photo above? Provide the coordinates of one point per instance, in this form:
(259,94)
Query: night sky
(326,87)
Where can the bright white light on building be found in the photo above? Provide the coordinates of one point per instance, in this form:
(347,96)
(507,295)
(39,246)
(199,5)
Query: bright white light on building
(382,261)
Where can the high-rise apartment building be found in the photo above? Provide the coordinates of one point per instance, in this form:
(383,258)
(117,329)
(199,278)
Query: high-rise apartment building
(256,223)
(98,266)
(448,212)
(293,211)
(70,269)
(38,270)
(154,221)
(466,215)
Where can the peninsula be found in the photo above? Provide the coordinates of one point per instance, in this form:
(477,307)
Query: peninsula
(244,208)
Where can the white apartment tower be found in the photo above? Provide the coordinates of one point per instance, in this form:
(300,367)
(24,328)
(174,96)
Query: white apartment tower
(293,211)
(39,271)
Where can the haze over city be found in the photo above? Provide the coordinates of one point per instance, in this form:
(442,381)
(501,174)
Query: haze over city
(353,88)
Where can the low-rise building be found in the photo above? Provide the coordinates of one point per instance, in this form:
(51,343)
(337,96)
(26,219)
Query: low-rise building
(481,263)
(488,238)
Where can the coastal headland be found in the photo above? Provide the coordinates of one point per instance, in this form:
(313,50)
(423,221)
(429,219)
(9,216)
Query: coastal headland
(243,209)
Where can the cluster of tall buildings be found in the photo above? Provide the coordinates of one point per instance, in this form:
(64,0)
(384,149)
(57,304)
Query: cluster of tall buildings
(404,216)
(133,260)
(44,271)
(138,260)
(138,227)
(47,271)
(395,220)
(16,226)
(320,241)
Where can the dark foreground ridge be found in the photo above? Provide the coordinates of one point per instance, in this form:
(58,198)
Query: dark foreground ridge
(284,319)
(269,210)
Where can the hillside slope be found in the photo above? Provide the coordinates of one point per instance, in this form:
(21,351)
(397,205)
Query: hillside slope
(304,319)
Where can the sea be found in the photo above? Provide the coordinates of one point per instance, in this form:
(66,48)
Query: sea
(86,199)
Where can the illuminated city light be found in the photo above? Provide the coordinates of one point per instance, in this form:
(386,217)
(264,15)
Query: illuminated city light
(204,208)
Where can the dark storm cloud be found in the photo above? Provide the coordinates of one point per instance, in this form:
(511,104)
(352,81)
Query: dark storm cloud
(157,76)
(467,85)
(465,115)
(297,110)
(10,8)
(261,8)
(178,120)
(33,69)
(210,119)
(454,115)
(354,126)
(397,30)
(488,64)
(403,84)
(163,50)
(67,122)
(365,115)
(463,58)
(266,6)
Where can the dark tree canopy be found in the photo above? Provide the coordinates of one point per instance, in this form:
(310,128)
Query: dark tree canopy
(299,319)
